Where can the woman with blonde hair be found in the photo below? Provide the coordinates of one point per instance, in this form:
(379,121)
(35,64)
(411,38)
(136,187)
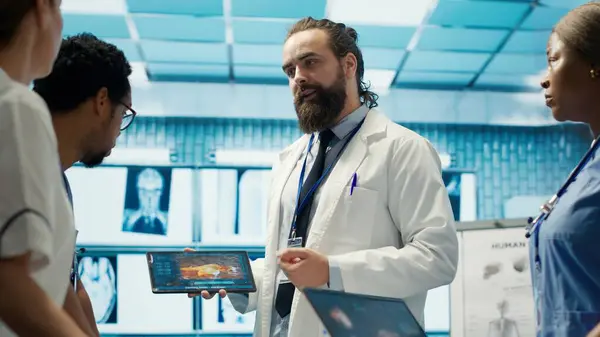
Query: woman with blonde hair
(37,234)
(564,237)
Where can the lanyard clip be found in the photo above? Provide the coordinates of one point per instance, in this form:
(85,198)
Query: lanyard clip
(545,211)
(549,206)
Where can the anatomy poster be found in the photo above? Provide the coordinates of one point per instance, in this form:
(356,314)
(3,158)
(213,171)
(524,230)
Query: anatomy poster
(497,292)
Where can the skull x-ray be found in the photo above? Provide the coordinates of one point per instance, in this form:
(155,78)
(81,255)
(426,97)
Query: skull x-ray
(99,277)
(147,200)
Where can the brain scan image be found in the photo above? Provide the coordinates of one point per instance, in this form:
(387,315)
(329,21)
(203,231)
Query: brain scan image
(98,275)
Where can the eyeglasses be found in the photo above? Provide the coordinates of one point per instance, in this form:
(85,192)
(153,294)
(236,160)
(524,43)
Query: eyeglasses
(128,116)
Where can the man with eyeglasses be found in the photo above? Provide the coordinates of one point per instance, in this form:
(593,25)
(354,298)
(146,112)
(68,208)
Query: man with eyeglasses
(89,97)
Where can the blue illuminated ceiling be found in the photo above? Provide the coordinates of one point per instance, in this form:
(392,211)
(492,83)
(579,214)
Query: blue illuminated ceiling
(445,44)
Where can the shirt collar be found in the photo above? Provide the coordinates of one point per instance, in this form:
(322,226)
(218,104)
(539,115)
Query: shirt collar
(346,125)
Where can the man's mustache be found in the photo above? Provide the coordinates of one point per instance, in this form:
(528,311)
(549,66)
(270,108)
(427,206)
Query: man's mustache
(305,87)
(309,87)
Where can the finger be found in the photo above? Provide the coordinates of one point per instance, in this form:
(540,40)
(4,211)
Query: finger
(206,295)
(292,253)
(292,261)
(288,267)
(595,332)
(189,250)
(222,293)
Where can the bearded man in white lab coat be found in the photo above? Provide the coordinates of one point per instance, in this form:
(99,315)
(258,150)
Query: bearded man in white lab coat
(356,204)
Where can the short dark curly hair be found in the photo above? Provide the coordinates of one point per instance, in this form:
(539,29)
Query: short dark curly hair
(84,65)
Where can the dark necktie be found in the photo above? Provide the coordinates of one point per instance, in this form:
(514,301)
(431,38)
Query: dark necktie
(285,293)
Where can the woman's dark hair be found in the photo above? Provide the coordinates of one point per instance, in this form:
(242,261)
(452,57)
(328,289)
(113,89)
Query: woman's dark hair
(12,13)
(580,31)
(343,40)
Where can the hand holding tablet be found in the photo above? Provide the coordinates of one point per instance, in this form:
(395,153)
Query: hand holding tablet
(205,294)
(200,272)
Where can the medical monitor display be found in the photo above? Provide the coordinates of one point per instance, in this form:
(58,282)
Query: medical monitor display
(220,316)
(461,188)
(133,206)
(233,206)
(147,198)
(122,299)
(98,274)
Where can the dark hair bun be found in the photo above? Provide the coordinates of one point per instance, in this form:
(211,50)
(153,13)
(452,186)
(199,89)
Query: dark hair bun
(580,30)
(352,32)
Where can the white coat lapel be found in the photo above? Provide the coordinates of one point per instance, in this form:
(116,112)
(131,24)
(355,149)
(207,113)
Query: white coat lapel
(341,175)
(287,162)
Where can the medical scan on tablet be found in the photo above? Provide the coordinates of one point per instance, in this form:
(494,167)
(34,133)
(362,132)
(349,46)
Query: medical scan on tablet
(191,272)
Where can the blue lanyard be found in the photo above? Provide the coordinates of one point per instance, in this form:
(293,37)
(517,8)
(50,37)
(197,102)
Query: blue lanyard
(535,224)
(300,204)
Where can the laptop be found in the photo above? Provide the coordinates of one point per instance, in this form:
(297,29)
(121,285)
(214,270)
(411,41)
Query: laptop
(353,315)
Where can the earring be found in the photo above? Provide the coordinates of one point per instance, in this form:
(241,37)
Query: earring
(593,73)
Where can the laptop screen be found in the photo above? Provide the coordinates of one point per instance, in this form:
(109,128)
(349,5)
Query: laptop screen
(353,315)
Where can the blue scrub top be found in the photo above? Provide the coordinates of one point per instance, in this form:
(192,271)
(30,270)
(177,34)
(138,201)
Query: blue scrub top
(567,282)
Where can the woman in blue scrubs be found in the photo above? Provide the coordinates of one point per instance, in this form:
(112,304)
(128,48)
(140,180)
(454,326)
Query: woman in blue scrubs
(565,238)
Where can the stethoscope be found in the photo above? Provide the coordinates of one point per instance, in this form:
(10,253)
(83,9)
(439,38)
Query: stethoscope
(546,209)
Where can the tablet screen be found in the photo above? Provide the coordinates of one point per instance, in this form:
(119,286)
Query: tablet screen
(187,272)
(353,315)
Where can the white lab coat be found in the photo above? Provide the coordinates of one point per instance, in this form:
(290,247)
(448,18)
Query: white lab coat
(394,236)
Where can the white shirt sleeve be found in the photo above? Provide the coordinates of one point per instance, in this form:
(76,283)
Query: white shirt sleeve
(29,168)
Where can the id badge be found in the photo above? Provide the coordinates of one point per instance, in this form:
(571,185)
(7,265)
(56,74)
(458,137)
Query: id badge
(295,243)
(292,243)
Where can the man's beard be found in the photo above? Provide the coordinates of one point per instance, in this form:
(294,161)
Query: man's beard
(323,110)
(91,160)
(92,157)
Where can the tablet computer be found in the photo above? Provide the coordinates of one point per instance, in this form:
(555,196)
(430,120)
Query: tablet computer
(193,272)
(353,315)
